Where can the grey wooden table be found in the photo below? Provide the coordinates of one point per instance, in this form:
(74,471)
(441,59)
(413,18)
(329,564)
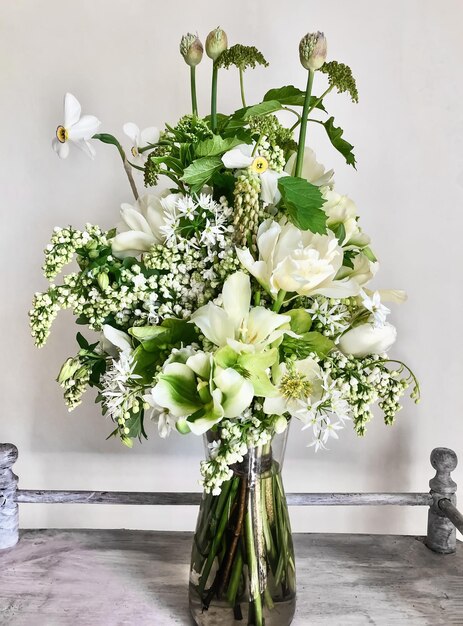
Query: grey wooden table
(138,578)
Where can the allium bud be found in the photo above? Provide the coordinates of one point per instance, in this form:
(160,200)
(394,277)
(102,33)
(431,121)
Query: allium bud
(216,43)
(312,51)
(191,49)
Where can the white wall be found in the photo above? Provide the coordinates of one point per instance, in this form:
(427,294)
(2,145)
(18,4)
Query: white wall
(120,58)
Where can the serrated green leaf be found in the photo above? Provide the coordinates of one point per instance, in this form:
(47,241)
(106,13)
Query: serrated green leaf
(200,171)
(217,145)
(335,136)
(292,96)
(263,108)
(303,202)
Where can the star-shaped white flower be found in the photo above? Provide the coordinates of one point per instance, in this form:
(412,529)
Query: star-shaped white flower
(140,139)
(76,129)
(377,309)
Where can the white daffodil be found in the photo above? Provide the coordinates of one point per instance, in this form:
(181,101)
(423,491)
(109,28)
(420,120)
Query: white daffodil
(368,339)
(236,323)
(75,128)
(298,383)
(373,304)
(140,139)
(144,221)
(114,341)
(298,261)
(312,171)
(199,394)
(242,157)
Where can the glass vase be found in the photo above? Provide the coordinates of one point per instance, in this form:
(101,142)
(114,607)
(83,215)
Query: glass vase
(242,562)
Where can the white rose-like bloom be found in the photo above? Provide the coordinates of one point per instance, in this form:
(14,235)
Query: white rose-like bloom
(362,272)
(367,339)
(298,261)
(312,170)
(144,221)
(342,210)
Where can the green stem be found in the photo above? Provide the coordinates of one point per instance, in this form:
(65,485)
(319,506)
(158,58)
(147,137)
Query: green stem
(303,129)
(279,301)
(194,102)
(243,99)
(253,569)
(215,71)
(127,168)
(235,578)
(314,105)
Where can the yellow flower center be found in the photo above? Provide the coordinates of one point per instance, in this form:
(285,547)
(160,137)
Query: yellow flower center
(259,165)
(294,385)
(62,134)
(134,151)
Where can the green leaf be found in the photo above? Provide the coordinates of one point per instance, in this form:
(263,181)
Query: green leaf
(83,343)
(291,96)
(107,138)
(307,343)
(368,252)
(263,108)
(200,171)
(339,230)
(301,321)
(145,333)
(303,202)
(335,136)
(217,145)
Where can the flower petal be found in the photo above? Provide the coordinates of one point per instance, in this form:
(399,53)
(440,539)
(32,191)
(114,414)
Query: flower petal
(149,135)
(61,149)
(237,391)
(131,243)
(84,128)
(214,322)
(236,295)
(262,323)
(72,110)
(134,219)
(275,406)
(132,131)
(269,192)
(176,390)
(118,338)
(236,159)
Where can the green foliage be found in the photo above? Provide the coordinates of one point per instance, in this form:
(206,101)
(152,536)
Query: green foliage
(303,202)
(291,96)
(301,321)
(242,57)
(218,145)
(335,136)
(306,344)
(200,171)
(263,108)
(340,76)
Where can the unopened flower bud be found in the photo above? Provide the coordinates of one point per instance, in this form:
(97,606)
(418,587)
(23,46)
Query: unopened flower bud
(69,368)
(191,49)
(312,51)
(280,424)
(216,43)
(103,280)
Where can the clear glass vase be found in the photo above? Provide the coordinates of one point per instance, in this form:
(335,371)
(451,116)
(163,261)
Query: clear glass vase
(242,562)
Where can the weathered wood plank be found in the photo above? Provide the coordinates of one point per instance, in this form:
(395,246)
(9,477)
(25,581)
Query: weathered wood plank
(193,498)
(127,578)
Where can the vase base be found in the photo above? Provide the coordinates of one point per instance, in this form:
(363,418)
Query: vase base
(220,613)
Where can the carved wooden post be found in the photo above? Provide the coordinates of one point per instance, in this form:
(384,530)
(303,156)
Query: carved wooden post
(441,532)
(9,517)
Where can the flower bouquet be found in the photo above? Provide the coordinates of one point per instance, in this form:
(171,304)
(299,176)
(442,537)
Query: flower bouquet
(227,303)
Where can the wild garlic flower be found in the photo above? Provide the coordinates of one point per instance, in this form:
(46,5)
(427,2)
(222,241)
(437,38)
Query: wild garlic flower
(75,128)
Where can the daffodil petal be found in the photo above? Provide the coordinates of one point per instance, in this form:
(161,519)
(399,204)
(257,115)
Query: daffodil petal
(149,135)
(72,110)
(84,128)
(235,159)
(61,149)
(132,131)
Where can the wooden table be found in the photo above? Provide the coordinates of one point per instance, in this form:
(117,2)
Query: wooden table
(138,578)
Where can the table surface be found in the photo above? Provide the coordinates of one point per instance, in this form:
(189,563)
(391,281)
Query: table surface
(136,578)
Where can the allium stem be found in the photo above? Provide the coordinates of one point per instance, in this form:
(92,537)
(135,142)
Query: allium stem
(243,99)
(194,102)
(303,130)
(215,71)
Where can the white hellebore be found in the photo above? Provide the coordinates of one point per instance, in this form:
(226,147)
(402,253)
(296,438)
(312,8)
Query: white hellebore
(242,157)
(140,139)
(312,170)
(144,222)
(368,339)
(298,383)
(236,323)
(75,128)
(298,261)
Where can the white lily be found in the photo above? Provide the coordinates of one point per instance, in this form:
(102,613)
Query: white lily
(236,323)
(145,221)
(140,139)
(298,261)
(298,383)
(242,157)
(76,129)
(312,170)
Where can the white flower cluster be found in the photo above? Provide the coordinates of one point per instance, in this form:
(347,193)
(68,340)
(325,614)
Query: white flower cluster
(329,316)
(235,437)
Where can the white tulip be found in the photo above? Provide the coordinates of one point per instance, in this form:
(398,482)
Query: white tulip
(368,339)
(298,261)
(76,129)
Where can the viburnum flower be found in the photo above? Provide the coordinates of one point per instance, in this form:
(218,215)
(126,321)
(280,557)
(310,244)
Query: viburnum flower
(140,139)
(236,323)
(75,128)
(242,157)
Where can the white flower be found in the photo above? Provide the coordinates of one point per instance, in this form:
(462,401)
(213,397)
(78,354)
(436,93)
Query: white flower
(242,157)
(298,261)
(312,171)
(75,128)
(164,419)
(342,210)
(144,221)
(367,339)
(298,382)
(115,340)
(235,324)
(140,139)
(376,308)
